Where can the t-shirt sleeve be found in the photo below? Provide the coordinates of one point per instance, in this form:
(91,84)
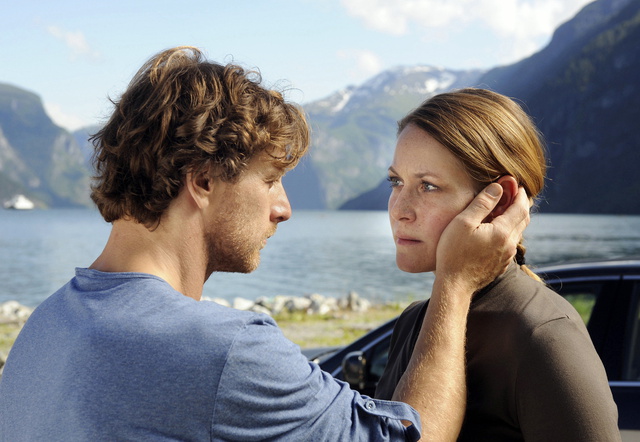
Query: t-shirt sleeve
(268,390)
(562,389)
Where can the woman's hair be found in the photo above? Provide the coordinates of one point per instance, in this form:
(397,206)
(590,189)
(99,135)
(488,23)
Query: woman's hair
(490,134)
(183,114)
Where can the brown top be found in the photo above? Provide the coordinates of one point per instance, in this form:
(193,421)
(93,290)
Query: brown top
(532,371)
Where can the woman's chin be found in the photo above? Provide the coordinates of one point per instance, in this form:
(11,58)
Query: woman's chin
(413,267)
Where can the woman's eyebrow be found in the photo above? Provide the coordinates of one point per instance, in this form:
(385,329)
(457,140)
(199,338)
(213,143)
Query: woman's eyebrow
(417,174)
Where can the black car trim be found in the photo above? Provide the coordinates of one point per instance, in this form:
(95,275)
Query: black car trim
(552,279)
(624,383)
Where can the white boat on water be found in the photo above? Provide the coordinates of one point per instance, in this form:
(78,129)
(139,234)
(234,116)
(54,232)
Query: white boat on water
(19,202)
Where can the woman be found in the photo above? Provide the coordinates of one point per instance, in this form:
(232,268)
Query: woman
(532,371)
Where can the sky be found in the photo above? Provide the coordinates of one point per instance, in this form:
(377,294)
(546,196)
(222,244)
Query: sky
(76,54)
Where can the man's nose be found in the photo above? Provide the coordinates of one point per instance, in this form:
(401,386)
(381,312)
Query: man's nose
(281,208)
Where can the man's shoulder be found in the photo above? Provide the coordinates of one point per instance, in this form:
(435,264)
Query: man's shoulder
(139,305)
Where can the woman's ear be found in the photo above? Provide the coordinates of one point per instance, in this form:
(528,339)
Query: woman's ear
(509,192)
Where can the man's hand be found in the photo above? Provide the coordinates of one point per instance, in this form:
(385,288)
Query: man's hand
(471,253)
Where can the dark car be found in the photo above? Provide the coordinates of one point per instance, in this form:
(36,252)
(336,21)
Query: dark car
(606,294)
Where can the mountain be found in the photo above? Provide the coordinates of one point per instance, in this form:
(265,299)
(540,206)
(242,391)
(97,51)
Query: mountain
(82,138)
(374,199)
(38,158)
(567,40)
(354,130)
(586,102)
(582,91)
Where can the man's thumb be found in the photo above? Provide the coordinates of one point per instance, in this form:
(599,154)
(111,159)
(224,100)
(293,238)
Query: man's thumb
(484,203)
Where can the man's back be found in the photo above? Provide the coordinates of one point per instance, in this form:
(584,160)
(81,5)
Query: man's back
(85,352)
(124,356)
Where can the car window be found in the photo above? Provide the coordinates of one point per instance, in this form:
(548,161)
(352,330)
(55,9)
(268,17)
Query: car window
(632,370)
(583,302)
(378,358)
(582,297)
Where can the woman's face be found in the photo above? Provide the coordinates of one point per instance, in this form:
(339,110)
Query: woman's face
(429,188)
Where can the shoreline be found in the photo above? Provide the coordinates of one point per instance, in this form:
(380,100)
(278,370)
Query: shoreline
(309,321)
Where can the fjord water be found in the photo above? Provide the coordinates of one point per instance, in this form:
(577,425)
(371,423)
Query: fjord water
(326,252)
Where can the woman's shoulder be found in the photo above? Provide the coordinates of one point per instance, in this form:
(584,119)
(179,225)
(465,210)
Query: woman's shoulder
(415,309)
(542,301)
(410,320)
(525,300)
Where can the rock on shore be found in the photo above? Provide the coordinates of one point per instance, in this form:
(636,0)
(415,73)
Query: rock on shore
(313,304)
(13,315)
(14,312)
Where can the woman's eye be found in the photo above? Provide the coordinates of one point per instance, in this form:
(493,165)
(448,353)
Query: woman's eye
(428,187)
(394,182)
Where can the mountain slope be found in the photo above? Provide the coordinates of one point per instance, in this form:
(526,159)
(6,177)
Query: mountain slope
(37,157)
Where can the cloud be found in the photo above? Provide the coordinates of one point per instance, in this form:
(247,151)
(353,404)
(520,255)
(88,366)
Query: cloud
(395,17)
(366,63)
(63,119)
(520,24)
(525,18)
(75,41)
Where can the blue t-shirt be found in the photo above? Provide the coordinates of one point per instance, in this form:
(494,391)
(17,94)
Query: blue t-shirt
(123,356)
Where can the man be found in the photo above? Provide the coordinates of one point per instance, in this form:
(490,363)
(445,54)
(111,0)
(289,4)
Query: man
(189,172)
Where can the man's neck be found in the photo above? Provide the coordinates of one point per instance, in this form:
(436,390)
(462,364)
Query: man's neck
(165,252)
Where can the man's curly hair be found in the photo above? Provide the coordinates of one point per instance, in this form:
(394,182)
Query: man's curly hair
(183,114)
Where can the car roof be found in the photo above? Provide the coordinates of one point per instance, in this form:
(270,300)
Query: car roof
(590,268)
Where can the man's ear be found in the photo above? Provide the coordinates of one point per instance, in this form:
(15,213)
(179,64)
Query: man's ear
(199,185)
(509,192)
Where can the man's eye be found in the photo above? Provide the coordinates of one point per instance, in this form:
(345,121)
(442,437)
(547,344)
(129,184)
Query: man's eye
(273,181)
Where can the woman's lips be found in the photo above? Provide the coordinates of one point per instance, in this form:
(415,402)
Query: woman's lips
(406,241)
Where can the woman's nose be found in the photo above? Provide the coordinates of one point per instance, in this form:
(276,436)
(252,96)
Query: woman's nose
(400,205)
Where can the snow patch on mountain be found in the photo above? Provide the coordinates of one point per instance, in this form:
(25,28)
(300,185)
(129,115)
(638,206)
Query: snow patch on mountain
(346,95)
(415,80)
